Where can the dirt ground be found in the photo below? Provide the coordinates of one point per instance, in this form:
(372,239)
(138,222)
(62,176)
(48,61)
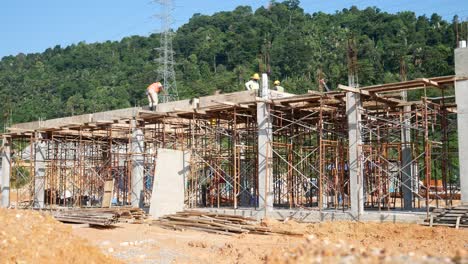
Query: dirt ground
(31,237)
(343,242)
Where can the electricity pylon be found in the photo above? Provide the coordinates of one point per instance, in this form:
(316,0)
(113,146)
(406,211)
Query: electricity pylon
(166,72)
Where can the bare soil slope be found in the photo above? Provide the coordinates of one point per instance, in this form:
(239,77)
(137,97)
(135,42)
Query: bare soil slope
(31,237)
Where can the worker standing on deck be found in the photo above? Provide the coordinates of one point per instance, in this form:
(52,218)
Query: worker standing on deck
(152,91)
(278,86)
(253,83)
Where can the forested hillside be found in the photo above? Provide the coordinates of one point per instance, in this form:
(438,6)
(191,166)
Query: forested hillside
(220,52)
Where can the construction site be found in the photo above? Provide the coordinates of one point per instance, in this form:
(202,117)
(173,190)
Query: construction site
(351,174)
(359,154)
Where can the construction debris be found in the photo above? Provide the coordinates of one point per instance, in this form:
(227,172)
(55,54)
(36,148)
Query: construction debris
(101,216)
(217,223)
(456,216)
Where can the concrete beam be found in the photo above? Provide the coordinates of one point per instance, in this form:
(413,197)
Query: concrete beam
(461,97)
(6,172)
(79,119)
(130,113)
(39,172)
(265,152)
(353,103)
(138,172)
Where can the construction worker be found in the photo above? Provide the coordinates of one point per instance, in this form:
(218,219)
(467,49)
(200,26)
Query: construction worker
(152,91)
(253,83)
(278,87)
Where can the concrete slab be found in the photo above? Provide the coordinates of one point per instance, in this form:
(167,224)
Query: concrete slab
(313,216)
(172,168)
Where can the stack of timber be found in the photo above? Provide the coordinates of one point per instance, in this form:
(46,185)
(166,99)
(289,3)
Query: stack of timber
(87,217)
(216,223)
(456,216)
(127,214)
(102,216)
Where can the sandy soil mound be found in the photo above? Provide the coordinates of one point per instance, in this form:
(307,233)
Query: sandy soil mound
(348,242)
(30,237)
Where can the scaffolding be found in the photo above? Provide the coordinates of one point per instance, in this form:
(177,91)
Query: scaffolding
(407,150)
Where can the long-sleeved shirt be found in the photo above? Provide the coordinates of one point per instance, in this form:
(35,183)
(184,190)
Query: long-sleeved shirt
(279,88)
(252,85)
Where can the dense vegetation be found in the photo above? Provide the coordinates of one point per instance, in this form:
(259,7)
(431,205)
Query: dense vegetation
(220,52)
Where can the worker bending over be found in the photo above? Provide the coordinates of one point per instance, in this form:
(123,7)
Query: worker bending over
(253,83)
(152,91)
(278,87)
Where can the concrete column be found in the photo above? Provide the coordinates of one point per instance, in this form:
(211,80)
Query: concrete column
(138,172)
(461,97)
(39,172)
(353,103)
(406,157)
(265,152)
(6,172)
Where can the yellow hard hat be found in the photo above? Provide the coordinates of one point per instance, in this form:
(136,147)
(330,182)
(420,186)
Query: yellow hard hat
(256,76)
(276,82)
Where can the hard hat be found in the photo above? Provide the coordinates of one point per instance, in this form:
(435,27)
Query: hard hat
(256,76)
(276,82)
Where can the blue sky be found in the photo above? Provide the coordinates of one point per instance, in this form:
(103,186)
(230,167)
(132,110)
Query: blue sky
(32,26)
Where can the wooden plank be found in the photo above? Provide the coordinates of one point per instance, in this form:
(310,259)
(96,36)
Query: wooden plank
(231,104)
(431,83)
(354,90)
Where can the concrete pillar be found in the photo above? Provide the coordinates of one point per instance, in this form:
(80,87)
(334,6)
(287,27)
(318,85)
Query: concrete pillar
(39,171)
(265,152)
(461,97)
(353,103)
(6,172)
(406,157)
(138,172)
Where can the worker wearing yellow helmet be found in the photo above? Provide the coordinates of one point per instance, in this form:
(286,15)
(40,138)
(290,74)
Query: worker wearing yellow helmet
(278,87)
(253,83)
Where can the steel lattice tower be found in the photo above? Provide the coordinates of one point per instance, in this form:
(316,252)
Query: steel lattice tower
(166,72)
